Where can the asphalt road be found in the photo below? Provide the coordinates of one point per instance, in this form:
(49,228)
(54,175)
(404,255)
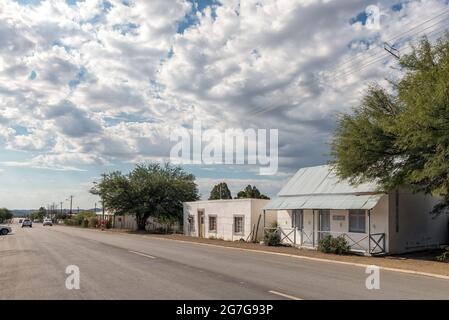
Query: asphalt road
(119,266)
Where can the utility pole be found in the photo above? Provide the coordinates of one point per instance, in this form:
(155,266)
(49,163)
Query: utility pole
(61,208)
(71,200)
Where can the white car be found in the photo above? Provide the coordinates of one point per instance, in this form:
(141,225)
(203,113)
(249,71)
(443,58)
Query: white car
(47,222)
(27,223)
(4,230)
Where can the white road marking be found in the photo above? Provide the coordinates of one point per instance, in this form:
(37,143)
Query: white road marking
(284,295)
(142,254)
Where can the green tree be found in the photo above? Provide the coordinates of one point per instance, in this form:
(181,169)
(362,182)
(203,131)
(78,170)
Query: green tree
(400,135)
(149,190)
(251,192)
(39,215)
(5,214)
(220,191)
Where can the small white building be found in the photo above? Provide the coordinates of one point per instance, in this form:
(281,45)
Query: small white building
(232,219)
(316,203)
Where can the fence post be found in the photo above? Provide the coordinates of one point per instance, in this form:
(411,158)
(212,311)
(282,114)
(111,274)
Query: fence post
(369,231)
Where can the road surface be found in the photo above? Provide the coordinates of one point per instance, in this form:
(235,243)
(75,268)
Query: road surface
(33,263)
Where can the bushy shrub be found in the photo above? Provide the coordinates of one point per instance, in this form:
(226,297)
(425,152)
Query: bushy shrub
(109,224)
(444,256)
(329,244)
(272,238)
(92,222)
(70,222)
(85,223)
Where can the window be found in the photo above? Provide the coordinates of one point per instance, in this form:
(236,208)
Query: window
(297,219)
(238,224)
(212,223)
(191,224)
(357,221)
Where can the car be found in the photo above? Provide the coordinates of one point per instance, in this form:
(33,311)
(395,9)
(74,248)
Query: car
(4,230)
(47,222)
(27,223)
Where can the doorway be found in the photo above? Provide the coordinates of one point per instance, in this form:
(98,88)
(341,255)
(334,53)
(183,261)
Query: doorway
(324,223)
(201,229)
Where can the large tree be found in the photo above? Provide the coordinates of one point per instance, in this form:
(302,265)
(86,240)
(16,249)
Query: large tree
(400,135)
(251,192)
(149,190)
(5,214)
(39,215)
(220,191)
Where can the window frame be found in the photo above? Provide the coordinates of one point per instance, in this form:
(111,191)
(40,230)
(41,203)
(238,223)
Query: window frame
(191,223)
(214,216)
(298,213)
(357,214)
(242,232)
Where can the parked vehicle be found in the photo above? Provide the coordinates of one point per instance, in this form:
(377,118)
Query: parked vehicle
(27,223)
(4,230)
(47,222)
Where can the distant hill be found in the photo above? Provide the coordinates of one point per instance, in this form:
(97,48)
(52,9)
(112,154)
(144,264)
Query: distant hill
(22,213)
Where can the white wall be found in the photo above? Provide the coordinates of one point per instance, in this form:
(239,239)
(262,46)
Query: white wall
(225,210)
(256,211)
(418,229)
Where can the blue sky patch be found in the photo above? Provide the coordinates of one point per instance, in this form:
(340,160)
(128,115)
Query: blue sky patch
(78,79)
(20,130)
(197,6)
(126,28)
(33,75)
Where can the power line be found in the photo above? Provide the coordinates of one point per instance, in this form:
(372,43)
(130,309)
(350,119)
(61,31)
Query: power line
(380,57)
(345,70)
(380,49)
(377,58)
(405,32)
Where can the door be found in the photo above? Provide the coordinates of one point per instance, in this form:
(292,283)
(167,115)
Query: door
(201,223)
(324,223)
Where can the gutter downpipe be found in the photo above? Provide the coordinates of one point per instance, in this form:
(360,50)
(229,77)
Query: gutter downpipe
(369,232)
(313,227)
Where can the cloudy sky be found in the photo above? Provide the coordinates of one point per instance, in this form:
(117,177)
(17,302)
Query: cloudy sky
(93,86)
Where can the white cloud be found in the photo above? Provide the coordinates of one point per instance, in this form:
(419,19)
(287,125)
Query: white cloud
(114,80)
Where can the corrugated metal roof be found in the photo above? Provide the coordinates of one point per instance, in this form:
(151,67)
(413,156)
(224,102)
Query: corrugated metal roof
(320,188)
(322,180)
(344,202)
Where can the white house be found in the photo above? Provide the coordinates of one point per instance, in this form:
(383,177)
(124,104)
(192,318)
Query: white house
(315,203)
(232,219)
